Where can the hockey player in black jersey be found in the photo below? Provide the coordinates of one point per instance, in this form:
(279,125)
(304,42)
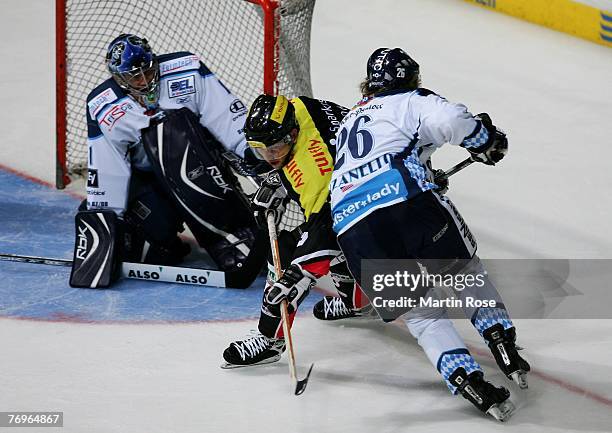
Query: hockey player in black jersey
(293,136)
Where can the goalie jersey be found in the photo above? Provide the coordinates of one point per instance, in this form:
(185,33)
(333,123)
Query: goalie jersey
(115,120)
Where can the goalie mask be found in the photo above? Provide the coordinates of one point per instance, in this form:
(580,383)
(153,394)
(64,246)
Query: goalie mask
(271,129)
(134,67)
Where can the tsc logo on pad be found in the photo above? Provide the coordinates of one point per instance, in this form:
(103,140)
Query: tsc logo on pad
(181,86)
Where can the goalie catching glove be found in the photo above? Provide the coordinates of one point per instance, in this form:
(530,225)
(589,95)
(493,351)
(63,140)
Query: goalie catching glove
(293,286)
(270,197)
(496,146)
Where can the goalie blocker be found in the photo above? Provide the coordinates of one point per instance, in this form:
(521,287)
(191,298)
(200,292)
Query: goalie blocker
(188,161)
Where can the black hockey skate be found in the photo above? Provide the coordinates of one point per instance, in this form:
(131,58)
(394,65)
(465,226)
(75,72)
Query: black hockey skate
(482,394)
(334,308)
(502,345)
(256,349)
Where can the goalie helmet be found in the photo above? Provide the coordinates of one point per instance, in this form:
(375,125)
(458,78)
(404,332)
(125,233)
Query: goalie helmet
(391,69)
(268,128)
(133,66)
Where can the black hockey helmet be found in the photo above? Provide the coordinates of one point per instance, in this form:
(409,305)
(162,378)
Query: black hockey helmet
(391,69)
(268,127)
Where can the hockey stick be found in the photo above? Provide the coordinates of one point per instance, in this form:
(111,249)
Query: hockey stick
(300,385)
(146,272)
(456,168)
(35,259)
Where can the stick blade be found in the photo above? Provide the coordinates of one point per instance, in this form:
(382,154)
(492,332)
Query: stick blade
(300,386)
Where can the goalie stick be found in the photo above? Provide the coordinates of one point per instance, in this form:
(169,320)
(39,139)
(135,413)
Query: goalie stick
(146,272)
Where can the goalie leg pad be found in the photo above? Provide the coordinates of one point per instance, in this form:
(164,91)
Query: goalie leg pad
(95,260)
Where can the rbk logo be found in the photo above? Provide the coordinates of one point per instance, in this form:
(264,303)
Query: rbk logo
(81,250)
(215,173)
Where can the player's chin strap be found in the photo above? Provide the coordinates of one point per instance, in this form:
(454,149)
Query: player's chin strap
(300,385)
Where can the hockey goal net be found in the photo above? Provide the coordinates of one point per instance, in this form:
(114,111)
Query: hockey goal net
(254,46)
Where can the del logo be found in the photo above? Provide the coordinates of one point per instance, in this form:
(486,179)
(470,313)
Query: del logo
(92,178)
(194,279)
(144,275)
(181,86)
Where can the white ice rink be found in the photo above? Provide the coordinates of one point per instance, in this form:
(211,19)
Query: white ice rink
(550,198)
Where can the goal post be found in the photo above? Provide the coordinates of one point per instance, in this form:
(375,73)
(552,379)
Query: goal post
(253,46)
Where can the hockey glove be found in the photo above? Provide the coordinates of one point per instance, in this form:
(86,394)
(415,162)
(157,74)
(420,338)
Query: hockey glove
(496,146)
(270,197)
(441,180)
(293,286)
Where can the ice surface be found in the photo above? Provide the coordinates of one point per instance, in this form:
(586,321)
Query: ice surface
(154,368)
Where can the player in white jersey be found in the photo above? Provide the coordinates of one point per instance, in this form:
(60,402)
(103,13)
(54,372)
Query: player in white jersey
(385,206)
(123,177)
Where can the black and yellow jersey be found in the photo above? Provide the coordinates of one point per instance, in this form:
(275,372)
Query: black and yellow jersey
(307,174)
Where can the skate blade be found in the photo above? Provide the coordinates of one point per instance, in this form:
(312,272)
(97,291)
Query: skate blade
(520,378)
(229,366)
(356,317)
(502,411)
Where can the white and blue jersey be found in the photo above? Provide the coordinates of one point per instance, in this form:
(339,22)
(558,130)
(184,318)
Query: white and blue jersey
(383,146)
(115,119)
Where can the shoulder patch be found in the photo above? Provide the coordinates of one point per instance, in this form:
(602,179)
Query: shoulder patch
(100,100)
(177,62)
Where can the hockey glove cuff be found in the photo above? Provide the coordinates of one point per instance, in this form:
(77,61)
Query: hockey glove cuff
(270,197)
(496,146)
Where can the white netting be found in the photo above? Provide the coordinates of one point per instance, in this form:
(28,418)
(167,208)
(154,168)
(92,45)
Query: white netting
(227,34)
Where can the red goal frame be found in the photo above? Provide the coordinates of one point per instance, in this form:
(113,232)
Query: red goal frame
(271,30)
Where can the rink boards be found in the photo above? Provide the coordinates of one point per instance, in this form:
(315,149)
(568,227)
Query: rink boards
(590,20)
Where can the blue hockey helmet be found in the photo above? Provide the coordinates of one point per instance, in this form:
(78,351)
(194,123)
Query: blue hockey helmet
(391,69)
(134,67)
